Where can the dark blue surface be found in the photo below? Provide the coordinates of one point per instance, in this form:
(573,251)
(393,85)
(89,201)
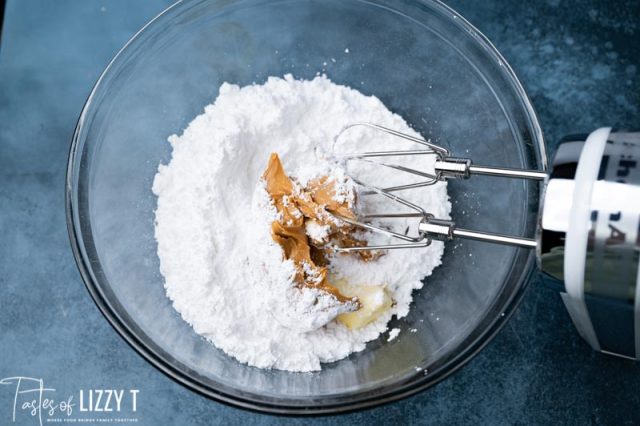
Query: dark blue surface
(579,62)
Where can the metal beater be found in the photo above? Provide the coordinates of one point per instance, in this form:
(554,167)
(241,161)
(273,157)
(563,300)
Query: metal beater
(446,167)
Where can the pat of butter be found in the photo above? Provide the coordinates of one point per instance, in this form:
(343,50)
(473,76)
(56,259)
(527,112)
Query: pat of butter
(374,301)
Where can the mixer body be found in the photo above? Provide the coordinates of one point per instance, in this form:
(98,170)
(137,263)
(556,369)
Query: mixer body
(590,237)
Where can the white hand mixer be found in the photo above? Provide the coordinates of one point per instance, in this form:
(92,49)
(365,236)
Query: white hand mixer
(588,236)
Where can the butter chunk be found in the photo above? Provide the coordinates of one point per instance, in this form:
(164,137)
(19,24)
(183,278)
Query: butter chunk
(374,301)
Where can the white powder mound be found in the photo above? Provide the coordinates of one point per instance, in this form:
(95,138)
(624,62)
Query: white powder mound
(222,270)
(393,333)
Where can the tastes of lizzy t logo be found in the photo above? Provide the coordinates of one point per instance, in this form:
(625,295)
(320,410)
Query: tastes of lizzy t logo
(32,399)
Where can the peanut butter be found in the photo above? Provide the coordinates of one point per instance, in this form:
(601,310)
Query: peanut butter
(297,206)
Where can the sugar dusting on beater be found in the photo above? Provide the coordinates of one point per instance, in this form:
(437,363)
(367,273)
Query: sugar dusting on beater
(224,272)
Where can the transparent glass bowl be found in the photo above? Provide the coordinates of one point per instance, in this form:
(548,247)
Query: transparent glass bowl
(424,62)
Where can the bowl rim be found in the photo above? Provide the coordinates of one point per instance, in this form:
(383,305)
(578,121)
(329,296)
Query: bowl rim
(148,353)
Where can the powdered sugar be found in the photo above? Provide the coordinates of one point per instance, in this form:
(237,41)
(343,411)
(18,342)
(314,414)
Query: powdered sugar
(222,270)
(393,333)
(317,232)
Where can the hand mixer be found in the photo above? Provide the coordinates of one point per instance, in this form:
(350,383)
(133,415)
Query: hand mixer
(588,239)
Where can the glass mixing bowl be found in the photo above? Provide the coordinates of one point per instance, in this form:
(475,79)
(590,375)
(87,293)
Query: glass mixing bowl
(424,62)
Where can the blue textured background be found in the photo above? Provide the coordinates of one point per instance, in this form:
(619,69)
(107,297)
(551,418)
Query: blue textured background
(577,59)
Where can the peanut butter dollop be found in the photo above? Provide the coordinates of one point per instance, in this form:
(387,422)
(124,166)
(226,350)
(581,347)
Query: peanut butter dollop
(297,206)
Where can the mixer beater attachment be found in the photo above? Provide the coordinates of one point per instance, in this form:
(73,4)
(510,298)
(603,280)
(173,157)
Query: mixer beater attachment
(446,167)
